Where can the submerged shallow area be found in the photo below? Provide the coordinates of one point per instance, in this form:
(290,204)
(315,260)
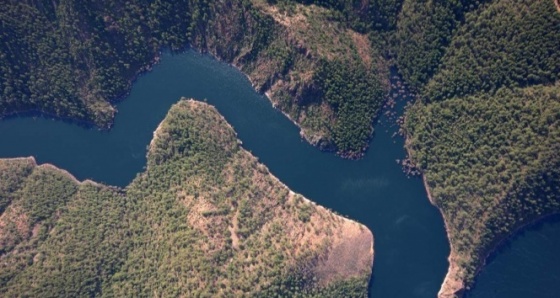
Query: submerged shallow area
(411,247)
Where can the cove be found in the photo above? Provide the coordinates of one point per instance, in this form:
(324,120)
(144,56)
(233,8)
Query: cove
(526,266)
(410,243)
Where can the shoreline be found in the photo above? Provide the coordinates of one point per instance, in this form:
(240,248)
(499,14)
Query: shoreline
(45,165)
(516,232)
(64,172)
(304,136)
(338,216)
(267,94)
(91,124)
(446,288)
(451,287)
(344,221)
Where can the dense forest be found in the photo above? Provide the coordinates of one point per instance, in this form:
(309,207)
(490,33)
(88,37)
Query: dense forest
(492,163)
(73,59)
(508,43)
(204,220)
(486,130)
(424,31)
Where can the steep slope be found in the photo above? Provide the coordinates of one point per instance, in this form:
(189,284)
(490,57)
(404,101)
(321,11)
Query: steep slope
(506,43)
(72,60)
(486,131)
(204,219)
(492,166)
(465,58)
(459,48)
(423,32)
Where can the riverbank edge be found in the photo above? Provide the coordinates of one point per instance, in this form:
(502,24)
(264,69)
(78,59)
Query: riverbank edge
(63,172)
(316,140)
(365,273)
(450,286)
(88,123)
(268,95)
(364,270)
(320,140)
(453,287)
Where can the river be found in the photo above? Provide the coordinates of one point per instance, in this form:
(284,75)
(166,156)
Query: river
(410,242)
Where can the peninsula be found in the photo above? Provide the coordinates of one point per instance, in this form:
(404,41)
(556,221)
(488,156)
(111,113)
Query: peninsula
(205,219)
(483,130)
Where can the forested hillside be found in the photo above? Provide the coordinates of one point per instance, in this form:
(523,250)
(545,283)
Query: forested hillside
(204,220)
(362,16)
(73,59)
(507,43)
(486,130)
(458,48)
(424,30)
(492,164)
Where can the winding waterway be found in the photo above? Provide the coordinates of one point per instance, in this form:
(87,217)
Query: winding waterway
(410,243)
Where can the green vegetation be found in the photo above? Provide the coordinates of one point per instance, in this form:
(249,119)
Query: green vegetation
(424,30)
(308,42)
(362,16)
(349,91)
(204,220)
(71,60)
(492,164)
(486,131)
(507,43)
(472,46)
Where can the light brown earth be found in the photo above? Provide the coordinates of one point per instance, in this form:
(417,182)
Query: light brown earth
(344,247)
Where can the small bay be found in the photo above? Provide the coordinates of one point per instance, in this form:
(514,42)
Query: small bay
(526,266)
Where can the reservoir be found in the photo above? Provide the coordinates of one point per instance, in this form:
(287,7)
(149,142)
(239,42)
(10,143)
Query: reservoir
(411,248)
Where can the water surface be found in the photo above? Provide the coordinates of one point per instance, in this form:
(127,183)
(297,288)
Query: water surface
(526,266)
(410,243)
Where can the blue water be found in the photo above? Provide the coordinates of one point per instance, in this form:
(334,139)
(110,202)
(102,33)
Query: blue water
(526,266)
(410,243)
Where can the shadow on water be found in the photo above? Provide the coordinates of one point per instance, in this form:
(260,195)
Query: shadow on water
(410,242)
(509,244)
(526,265)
